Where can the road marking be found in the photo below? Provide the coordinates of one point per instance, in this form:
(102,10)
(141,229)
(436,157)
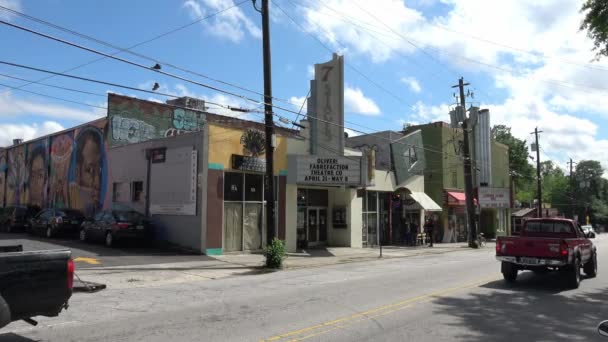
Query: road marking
(90,261)
(316,330)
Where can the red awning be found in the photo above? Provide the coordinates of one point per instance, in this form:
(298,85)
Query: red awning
(458,198)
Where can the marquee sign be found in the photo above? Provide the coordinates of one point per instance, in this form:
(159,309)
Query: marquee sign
(317,170)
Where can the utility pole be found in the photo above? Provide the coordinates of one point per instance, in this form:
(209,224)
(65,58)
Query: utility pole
(268,121)
(468,176)
(571,189)
(538,179)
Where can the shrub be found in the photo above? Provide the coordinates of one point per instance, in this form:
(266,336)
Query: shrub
(275,253)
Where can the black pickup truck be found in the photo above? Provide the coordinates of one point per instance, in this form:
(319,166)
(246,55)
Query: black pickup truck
(36,283)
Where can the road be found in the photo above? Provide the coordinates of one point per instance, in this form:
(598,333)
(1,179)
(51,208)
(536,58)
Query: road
(458,296)
(91,255)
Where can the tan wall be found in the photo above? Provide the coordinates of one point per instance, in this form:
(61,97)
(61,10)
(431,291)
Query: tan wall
(226,141)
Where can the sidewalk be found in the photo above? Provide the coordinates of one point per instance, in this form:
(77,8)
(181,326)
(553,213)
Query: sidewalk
(228,265)
(341,255)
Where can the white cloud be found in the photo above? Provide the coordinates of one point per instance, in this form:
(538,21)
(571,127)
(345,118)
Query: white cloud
(298,101)
(412,83)
(8,132)
(12,106)
(232,24)
(12,4)
(356,102)
(310,71)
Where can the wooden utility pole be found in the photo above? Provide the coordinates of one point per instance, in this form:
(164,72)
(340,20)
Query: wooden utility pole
(468,175)
(538,178)
(571,189)
(268,122)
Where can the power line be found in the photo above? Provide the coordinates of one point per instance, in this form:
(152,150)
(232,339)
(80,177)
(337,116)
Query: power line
(52,97)
(135,45)
(50,85)
(379,86)
(151,59)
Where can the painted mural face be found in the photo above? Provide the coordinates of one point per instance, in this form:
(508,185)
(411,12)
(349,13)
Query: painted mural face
(88,171)
(61,151)
(37,178)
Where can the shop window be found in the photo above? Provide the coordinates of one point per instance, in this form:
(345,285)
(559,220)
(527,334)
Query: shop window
(317,198)
(372,203)
(302,198)
(254,187)
(233,186)
(137,191)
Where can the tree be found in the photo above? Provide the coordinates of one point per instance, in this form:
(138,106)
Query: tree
(596,25)
(520,170)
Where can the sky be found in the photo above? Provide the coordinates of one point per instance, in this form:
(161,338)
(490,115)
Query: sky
(526,61)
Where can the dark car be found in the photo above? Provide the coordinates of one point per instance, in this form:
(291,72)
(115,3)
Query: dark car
(17,217)
(51,222)
(111,226)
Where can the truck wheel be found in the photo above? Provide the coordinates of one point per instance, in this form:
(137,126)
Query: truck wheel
(590,267)
(509,272)
(573,274)
(109,239)
(5,313)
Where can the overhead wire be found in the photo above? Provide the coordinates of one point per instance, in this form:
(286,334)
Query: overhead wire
(135,45)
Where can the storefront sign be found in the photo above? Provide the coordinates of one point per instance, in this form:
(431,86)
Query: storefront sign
(314,170)
(494,197)
(246,163)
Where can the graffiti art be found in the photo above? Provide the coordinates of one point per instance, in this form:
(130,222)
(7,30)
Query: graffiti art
(88,171)
(15,176)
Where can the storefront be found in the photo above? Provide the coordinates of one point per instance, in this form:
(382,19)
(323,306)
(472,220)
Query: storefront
(456,228)
(312,217)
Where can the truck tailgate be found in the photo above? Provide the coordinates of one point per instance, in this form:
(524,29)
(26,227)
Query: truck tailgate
(523,246)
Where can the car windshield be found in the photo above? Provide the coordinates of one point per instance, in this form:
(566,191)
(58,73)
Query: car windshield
(128,216)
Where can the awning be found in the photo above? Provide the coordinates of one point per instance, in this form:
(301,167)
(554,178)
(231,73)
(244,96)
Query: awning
(458,198)
(425,201)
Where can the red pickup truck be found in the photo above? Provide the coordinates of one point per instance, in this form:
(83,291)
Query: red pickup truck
(548,244)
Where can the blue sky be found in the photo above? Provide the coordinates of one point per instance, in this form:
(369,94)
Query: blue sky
(526,62)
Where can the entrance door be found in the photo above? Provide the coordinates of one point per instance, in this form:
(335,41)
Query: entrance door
(317,226)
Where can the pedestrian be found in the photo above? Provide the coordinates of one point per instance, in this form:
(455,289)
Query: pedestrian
(414,233)
(429,230)
(407,232)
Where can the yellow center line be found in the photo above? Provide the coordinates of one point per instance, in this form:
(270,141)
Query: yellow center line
(372,313)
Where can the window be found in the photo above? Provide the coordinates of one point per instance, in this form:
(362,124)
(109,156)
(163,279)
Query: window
(137,189)
(98,217)
(253,187)
(548,227)
(372,203)
(108,217)
(121,192)
(233,186)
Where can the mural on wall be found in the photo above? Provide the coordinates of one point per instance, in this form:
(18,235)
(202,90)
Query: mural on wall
(132,120)
(61,154)
(15,176)
(3,167)
(37,173)
(87,175)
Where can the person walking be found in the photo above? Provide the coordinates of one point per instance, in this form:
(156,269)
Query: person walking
(429,230)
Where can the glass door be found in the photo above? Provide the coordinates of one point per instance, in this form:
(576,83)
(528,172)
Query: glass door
(313,226)
(322,225)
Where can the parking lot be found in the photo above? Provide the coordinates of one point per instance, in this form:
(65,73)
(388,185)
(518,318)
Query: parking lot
(91,255)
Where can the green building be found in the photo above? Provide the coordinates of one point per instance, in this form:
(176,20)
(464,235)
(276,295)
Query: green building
(444,182)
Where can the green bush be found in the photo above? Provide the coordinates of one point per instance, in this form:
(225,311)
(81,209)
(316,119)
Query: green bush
(275,253)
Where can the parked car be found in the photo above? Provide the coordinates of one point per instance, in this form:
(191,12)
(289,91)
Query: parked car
(111,226)
(588,230)
(17,217)
(37,283)
(555,244)
(51,222)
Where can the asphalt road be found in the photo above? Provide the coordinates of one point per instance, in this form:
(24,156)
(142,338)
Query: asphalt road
(89,255)
(457,296)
